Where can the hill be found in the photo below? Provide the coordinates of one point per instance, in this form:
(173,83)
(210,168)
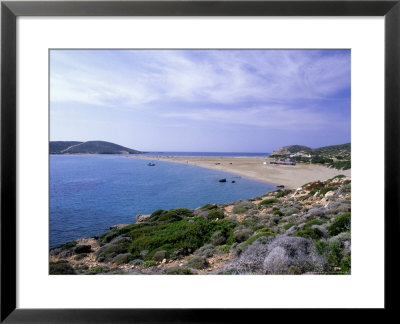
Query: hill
(343,149)
(58,146)
(335,156)
(292,149)
(89,147)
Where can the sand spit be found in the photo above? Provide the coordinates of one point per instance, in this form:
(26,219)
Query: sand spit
(253,167)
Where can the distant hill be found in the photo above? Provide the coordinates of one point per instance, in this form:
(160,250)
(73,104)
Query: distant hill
(291,149)
(335,156)
(342,149)
(89,147)
(57,147)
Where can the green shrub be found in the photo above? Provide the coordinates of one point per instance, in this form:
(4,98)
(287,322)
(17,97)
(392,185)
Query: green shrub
(206,251)
(304,197)
(182,237)
(324,190)
(156,214)
(288,225)
(242,246)
(136,262)
(290,211)
(345,264)
(107,253)
(218,238)
(242,234)
(339,176)
(197,262)
(321,246)
(214,214)
(174,215)
(99,269)
(149,263)
(69,245)
(224,248)
(333,254)
(61,267)
(107,237)
(282,193)
(83,249)
(159,255)
(268,202)
(209,207)
(122,259)
(243,207)
(341,165)
(315,190)
(313,233)
(178,271)
(346,187)
(312,221)
(340,224)
(278,213)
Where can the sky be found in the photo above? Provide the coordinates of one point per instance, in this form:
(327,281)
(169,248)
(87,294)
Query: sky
(201,100)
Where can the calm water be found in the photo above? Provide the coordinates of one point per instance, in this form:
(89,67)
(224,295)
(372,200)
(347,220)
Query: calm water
(88,193)
(204,154)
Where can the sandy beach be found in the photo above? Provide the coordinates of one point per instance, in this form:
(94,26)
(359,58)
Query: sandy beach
(290,176)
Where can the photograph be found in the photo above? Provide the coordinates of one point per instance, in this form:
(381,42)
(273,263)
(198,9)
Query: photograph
(199,161)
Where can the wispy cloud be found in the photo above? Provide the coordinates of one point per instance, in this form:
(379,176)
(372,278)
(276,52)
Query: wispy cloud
(272,117)
(222,77)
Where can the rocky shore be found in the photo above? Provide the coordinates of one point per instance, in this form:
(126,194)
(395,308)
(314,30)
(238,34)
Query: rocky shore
(286,231)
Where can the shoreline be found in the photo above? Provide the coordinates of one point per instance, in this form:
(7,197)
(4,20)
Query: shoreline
(252,167)
(286,219)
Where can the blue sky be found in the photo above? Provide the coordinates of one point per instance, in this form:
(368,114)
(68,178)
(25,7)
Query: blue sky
(201,100)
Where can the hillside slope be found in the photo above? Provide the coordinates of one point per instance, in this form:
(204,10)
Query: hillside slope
(89,147)
(335,156)
(58,147)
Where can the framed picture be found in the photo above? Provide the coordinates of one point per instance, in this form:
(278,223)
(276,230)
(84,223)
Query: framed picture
(253,145)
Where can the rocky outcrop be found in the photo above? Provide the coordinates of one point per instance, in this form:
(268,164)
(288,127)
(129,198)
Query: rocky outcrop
(142,218)
(118,226)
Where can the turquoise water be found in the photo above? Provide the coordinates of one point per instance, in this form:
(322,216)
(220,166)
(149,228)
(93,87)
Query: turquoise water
(88,193)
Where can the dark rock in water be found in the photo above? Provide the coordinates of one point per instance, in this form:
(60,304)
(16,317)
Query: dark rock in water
(233,181)
(280,186)
(222,180)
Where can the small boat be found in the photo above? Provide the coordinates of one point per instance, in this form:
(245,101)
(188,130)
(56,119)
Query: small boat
(151,164)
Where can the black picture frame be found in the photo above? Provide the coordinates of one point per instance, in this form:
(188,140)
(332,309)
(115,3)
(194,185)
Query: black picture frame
(10,10)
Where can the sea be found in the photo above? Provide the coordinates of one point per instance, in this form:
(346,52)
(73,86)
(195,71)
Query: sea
(89,193)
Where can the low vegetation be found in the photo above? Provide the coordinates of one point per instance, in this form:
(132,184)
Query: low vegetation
(283,232)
